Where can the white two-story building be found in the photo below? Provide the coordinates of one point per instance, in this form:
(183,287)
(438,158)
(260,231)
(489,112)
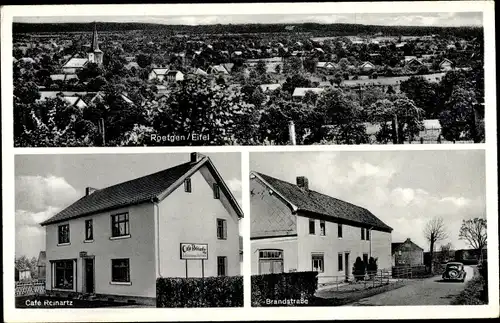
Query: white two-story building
(116,241)
(294,228)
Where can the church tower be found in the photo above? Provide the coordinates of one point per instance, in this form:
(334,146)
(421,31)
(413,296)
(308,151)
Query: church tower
(95,55)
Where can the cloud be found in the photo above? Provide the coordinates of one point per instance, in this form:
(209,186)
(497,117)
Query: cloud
(38,198)
(37,193)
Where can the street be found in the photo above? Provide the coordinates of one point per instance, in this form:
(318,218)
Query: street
(430,291)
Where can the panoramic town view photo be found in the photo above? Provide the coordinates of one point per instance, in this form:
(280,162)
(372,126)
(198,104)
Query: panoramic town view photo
(394,78)
(368,228)
(158,230)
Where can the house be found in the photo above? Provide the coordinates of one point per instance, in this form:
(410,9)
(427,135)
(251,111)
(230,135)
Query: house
(41,265)
(217,70)
(366,66)
(294,228)
(74,64)
(325,65)
(413,63)
(158,74)
(269,87)
(131,65)
(407,253)
(300,92)
(114,242)
(94,55)
(63,77)
(446,65)
(174,76)
(200,72)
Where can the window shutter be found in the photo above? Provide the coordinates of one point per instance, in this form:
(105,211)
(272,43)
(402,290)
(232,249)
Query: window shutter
(224,223)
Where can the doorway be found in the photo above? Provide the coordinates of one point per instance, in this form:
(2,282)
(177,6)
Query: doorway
(89,275)
(346,263)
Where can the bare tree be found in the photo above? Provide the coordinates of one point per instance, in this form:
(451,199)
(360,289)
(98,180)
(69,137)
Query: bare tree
(434,231)
(474,231)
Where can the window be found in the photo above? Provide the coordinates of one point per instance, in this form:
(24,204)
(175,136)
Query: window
(216,190)
(120,270)
(362,233)
(368,234)
(119,225)
(221,229)
(365,258)
(221,266)
(270,261)
(187,185)
(63,236)
(89,231)
(312,226)
(318,262)
(339,230)
(340,261)
(63,274)
(322,228)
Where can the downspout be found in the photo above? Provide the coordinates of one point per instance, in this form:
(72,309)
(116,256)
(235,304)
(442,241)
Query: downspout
(157,240)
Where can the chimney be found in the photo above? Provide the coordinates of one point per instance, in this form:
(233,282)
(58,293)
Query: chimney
(196,157)
(89,190)
(303,182)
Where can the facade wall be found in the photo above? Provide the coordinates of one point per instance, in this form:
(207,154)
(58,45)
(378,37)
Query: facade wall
(287,244)
(408,255)
(192,218)
(330,245)
(139,248)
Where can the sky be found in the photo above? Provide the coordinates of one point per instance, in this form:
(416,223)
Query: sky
(46,184)
(449,19)
(405,189)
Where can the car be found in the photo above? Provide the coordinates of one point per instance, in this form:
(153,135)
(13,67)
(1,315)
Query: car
(454,271)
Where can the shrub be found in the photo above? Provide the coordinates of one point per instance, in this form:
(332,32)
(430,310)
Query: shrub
(295,286)
(358,270)
(200,292)
(472,294)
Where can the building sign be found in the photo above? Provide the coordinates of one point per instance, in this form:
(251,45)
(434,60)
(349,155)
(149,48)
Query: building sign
(83,253)
(194,251)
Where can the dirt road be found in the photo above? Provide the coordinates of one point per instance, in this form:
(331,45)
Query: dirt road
(431,291)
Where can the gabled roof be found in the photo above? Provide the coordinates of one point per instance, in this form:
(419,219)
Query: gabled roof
(301,91)
(445,61)
(150,188)
(364,64)
(396,245)
(312,202)
(218,69)
(76,63)
(269,87)
(160,71)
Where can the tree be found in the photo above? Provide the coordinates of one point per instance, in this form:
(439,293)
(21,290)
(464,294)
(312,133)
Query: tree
(292,65)
(445,253)
(423,93)
(294,81)
(260,68)
(405,118)
(343,117)
(216,115)
(474,231)
(434,232)
(358,269)
(144,60)
(90,71)
(459,120)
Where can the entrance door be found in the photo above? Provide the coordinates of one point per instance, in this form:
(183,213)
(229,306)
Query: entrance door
(347,268)
(89,275)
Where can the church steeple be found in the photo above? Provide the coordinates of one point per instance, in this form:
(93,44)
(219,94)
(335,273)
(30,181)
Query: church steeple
(95,40)
(95,55)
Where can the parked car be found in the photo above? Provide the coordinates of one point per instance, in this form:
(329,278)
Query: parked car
(454,271)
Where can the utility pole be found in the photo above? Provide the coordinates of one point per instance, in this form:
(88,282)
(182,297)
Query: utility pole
(395,135)
(291,132)
(100,127)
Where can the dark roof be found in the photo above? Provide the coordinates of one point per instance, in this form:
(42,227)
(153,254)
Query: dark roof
(395,245)
(313,202)
(144,189)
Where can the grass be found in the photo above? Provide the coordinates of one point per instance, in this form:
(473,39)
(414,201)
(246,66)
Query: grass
(472,294)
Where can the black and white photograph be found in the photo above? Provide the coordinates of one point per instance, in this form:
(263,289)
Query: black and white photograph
(152,230)
(249,161)
(350,78)
(368,228)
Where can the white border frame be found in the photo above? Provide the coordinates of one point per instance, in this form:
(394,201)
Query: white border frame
(290,313)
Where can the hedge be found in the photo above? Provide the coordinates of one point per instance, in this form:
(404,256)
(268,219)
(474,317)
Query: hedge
(285,289)
(224,291)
